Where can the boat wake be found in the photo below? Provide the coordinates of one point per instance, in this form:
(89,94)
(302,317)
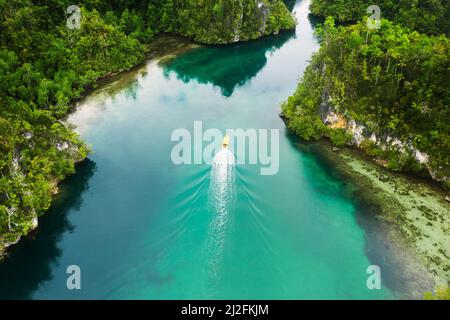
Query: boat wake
(222,201)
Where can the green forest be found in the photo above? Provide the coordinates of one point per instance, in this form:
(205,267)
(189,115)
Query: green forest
(388,87)
(426,16)
(46,66)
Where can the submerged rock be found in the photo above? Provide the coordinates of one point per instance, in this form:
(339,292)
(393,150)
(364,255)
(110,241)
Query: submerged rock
(413,222)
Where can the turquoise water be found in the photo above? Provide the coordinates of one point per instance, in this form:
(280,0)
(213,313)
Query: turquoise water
(141,227)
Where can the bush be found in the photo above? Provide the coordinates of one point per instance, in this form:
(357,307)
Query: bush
(339,137)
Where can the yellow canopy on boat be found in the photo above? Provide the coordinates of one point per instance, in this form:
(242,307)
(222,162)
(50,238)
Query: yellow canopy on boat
(225,142)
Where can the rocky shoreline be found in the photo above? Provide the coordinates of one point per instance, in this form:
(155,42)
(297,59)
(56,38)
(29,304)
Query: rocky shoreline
(365,140)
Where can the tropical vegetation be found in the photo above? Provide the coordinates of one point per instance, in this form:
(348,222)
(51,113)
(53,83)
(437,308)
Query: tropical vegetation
(47,61)
(385,90)
(426,16)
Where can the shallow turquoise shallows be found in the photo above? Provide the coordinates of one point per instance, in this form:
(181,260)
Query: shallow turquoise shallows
(139,226)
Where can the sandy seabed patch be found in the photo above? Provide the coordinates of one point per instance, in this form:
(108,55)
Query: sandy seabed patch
(407,221)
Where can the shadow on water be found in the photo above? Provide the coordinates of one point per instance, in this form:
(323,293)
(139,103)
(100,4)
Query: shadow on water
(401,272)
(226,67)
(315,21)
(30,262)
(290,4)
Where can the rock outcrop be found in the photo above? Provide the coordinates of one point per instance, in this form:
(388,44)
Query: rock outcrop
(360,134)
(223,22)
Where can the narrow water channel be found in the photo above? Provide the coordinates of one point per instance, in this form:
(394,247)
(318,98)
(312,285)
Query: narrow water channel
(141,227)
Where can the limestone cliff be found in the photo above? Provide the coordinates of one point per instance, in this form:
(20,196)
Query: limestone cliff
(222,22)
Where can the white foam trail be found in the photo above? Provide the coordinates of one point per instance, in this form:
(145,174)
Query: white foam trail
(222,171)
(222,182)
(221,197)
